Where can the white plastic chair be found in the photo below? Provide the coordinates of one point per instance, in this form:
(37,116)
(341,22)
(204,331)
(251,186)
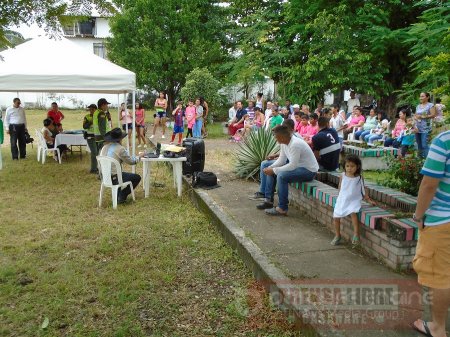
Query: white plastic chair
(105,165)
(351,135)
(44,149)
(37,134)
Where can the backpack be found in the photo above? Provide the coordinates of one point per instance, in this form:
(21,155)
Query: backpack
(206,180)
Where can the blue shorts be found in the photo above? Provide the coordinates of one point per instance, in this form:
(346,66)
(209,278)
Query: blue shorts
(160,114)
(130,126)
(178,129)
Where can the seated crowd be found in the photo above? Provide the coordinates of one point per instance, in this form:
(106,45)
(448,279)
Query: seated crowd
(374,128)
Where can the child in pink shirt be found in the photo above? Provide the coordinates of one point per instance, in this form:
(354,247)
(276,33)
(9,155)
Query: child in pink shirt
(191,113)
(302,126)
(312,129)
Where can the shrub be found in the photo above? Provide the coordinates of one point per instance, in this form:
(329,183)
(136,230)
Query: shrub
(404,174)
(253,151)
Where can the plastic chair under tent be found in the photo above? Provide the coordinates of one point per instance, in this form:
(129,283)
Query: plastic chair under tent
(44,149)
(105,165)
(37,134)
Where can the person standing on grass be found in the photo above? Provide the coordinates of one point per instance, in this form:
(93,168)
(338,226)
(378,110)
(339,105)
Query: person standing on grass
(198,119)
(140,124)
(190,114)
(100,122)
(126,120)
(178,116)
(160,115)
(205,106)
(113,148)
(351,193)
(432,215)
(55,114)
(88,126)
(296,163)
(425,113)
(16,126)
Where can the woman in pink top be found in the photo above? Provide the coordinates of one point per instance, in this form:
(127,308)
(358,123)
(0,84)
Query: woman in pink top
(190,114)
(140,124)
(357,120)
(400,125)
(126,120)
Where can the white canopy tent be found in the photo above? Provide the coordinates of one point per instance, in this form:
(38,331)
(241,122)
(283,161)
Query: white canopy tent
(46,65)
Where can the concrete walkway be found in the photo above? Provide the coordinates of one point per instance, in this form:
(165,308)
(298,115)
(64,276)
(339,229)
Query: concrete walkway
(300,251)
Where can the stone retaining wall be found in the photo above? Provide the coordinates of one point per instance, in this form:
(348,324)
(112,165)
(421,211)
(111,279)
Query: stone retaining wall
(383,236)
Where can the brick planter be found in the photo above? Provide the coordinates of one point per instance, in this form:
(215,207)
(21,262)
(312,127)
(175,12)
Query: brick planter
(371,158)
(383,236)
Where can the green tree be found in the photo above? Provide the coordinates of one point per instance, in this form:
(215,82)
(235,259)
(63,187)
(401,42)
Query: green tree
(48,14)
(310,47)
(163,40)
(201,83)
(430,39)
(345,44)
(259,41)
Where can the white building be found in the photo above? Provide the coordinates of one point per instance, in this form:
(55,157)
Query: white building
(90,34)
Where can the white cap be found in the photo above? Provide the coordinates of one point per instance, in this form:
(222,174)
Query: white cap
(296,106)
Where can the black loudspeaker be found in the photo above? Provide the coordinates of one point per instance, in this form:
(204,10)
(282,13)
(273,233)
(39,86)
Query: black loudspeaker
(195,155)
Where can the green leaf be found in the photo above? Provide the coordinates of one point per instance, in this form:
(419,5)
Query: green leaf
(45,323)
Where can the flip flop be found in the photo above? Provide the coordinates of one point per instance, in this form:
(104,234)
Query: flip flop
(427,331)
(274,211)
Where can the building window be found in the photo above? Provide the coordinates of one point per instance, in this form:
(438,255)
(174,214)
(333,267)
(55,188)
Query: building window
(100,50)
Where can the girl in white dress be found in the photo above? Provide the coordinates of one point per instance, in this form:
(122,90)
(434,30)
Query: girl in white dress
(351,193)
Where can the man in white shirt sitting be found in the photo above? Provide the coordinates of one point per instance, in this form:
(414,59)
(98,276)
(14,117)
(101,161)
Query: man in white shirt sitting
(16,126)
(296,163)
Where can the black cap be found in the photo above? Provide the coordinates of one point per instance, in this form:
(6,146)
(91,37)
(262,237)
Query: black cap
(102,101)
(92,106)
(114,135)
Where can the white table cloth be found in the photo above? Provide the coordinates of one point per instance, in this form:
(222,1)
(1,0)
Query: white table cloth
(177,165)
(70,139)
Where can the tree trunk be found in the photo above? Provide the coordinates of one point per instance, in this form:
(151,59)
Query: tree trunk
(387,104)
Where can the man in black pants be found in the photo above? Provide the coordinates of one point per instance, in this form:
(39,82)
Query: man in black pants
(16,126)
(114,149)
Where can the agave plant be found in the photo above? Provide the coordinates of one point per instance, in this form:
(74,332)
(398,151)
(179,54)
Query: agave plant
(252,151)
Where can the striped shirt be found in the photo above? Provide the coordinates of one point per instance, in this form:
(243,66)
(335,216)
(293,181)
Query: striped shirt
(437,166)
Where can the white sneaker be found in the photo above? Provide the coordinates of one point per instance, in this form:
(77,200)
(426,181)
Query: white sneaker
(145,146)
(163,136)
(139,146)
(152,136)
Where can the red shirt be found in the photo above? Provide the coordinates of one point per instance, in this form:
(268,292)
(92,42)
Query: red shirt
(56,115)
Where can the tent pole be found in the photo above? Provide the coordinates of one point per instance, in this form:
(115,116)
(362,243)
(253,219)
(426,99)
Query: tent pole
(118,110)
(133,140)
(126,124)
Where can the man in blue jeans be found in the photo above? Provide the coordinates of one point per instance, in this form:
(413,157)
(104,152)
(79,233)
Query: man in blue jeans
(296,163)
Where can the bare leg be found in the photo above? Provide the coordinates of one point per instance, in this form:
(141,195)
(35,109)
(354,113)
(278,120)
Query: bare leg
(157,119)
(355,224)
(440,302)
(163,122)
(144,140)
(337,226)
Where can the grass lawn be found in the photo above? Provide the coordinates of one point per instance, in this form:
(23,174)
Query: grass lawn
(154,267)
